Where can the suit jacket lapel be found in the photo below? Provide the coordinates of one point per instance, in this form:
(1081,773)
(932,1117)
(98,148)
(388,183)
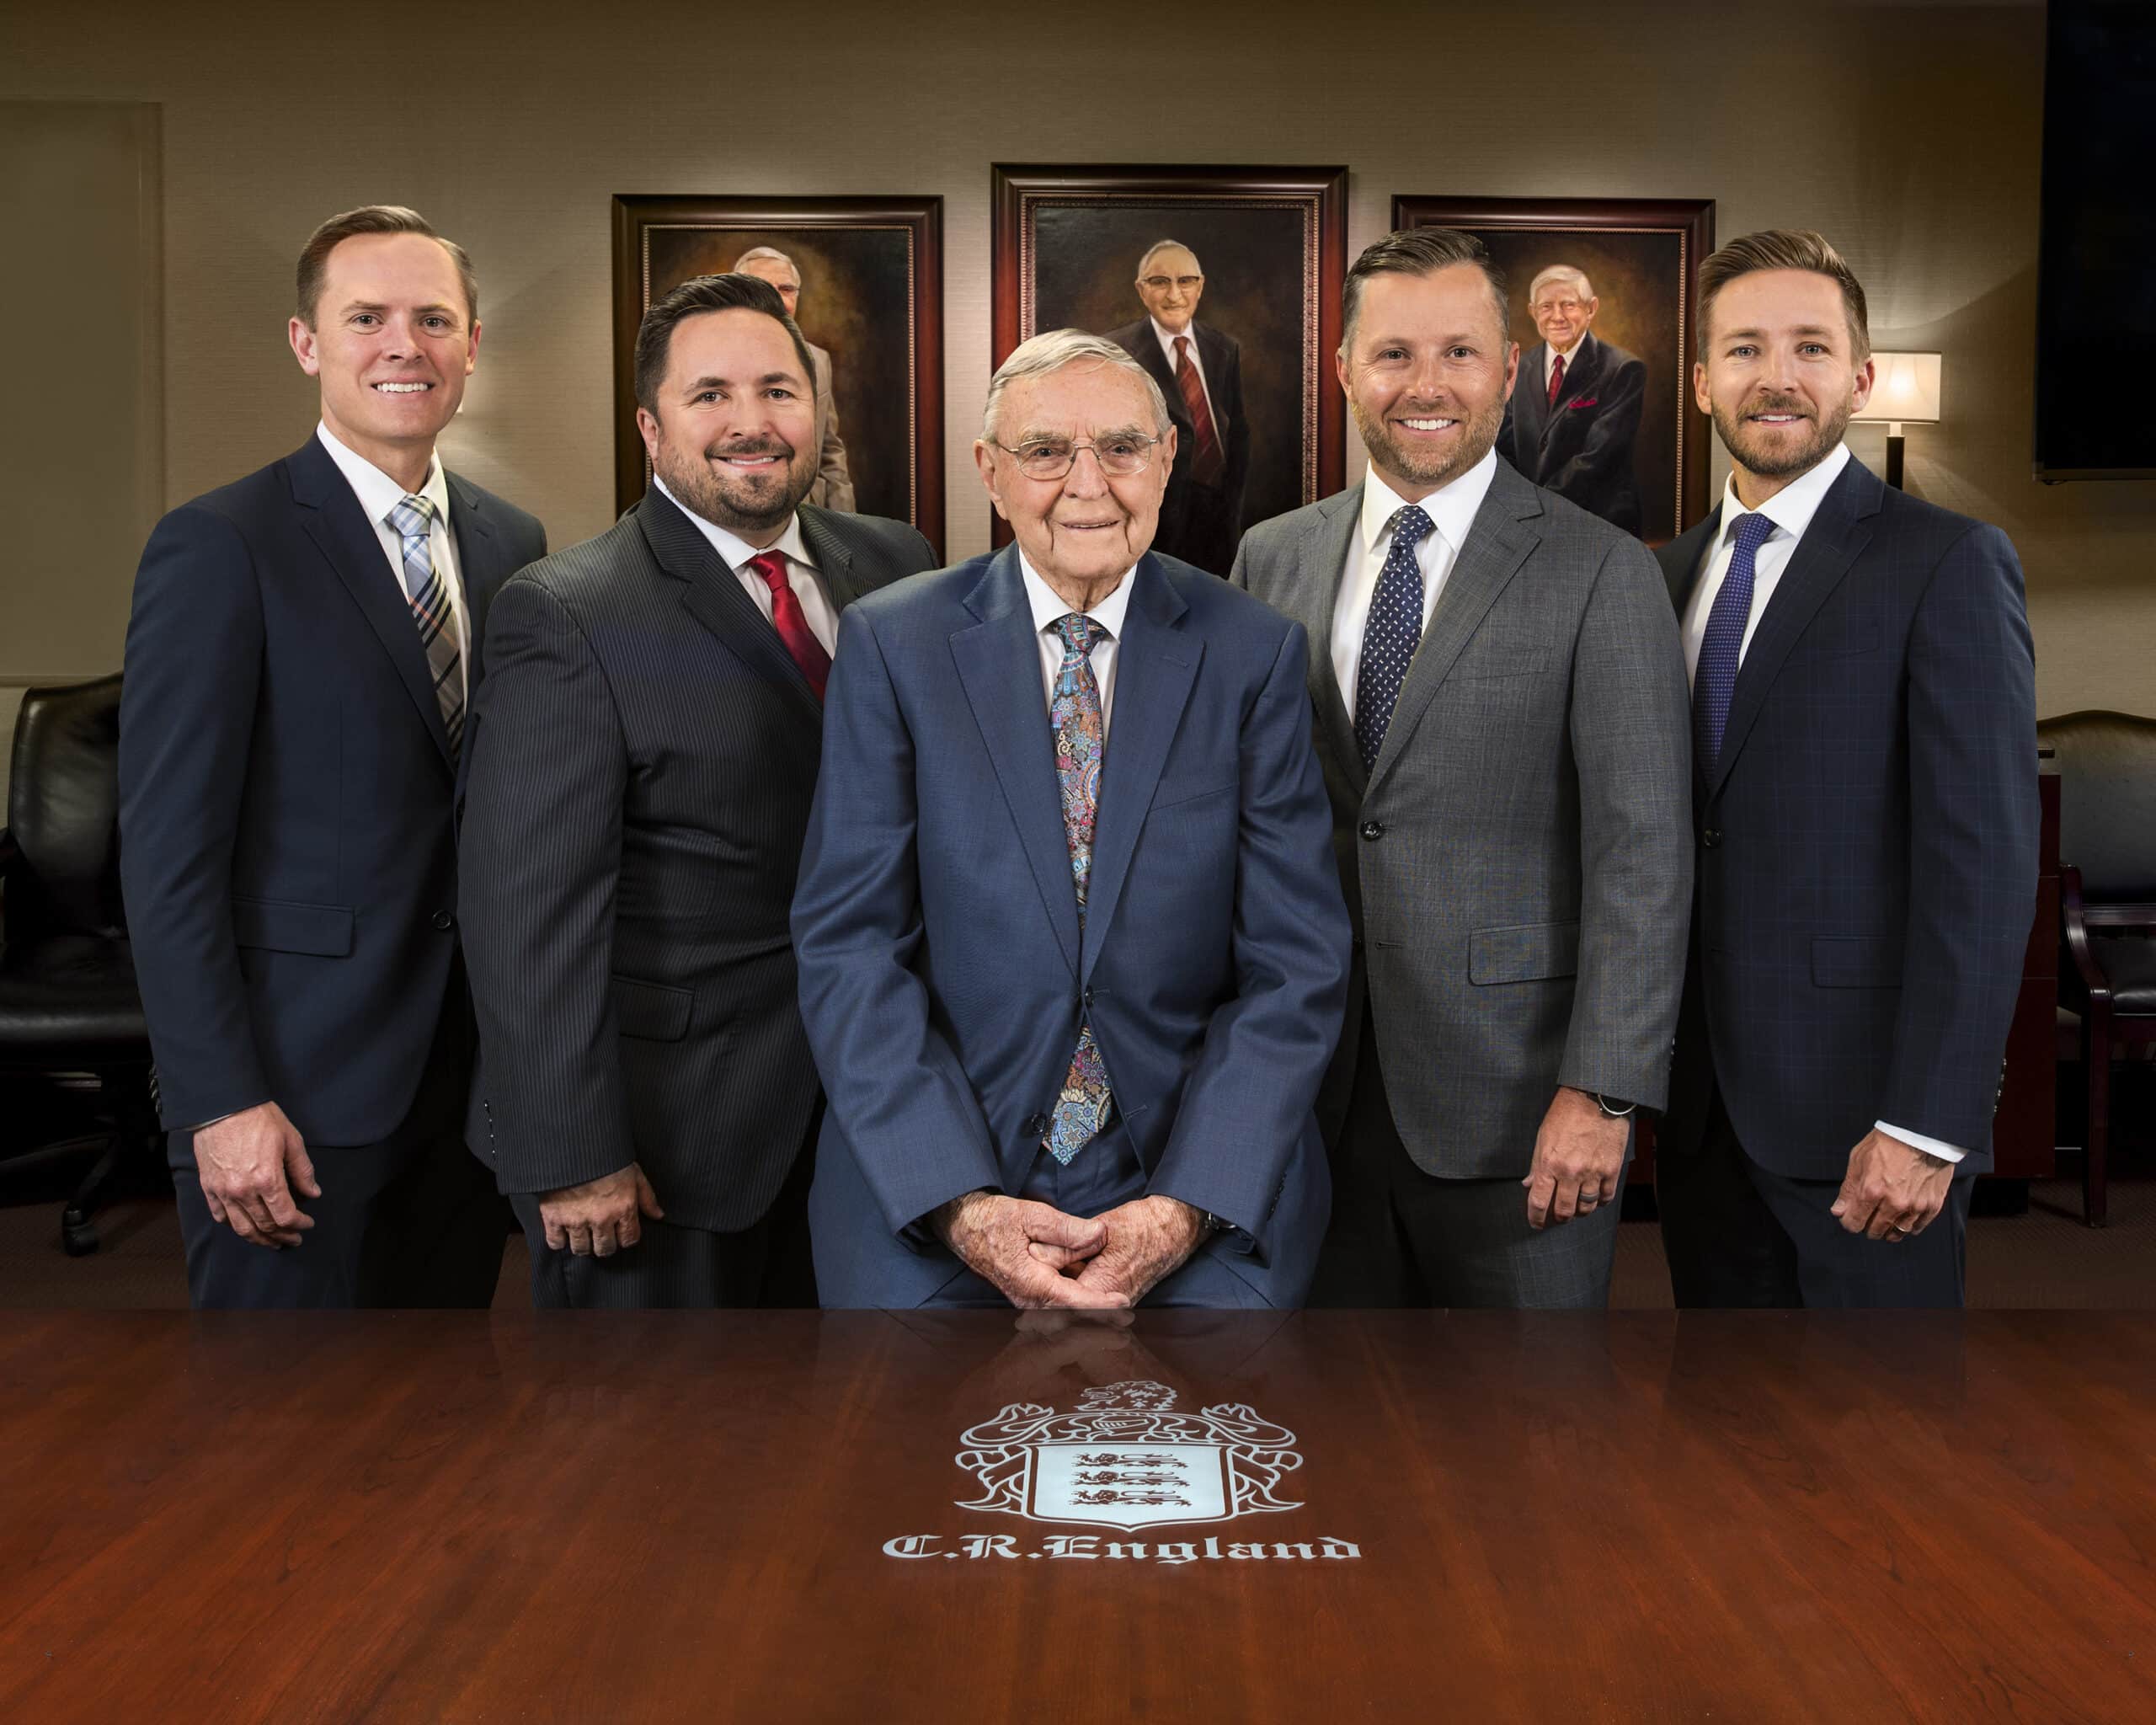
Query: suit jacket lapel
(999,666)
(1212,360)
(1582,372)
(1311,598)
(1837,536)
(1155,667)
(342,532)
(1497,544)
(479,565)
(834,561)
(1681,560)
(713,594)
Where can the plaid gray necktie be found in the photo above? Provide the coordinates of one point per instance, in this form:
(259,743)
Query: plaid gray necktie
(428,595)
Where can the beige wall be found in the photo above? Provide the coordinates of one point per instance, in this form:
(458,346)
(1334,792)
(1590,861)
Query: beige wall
(1907,132)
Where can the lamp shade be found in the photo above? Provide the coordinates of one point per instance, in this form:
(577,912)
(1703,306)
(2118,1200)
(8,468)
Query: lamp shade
(1905,387)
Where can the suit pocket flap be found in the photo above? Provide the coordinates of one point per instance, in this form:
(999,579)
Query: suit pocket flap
(1474,665)
(324,931)
(1855,961)
(653,1011)
(1523,953)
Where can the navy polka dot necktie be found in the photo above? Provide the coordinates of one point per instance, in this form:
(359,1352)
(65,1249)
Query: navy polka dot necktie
(1389,635)
(1714,678)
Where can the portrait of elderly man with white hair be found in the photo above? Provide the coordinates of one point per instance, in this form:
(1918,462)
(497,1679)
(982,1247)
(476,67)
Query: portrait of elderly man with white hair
(1575,413)
(1072,948)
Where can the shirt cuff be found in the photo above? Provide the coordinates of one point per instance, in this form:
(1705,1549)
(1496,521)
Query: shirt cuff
(1945,1152)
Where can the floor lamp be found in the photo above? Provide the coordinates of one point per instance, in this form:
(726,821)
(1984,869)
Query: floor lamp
(1904,391)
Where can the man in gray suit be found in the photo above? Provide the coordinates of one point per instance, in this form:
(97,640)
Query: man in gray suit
(1501,717)
(639,787)
(833,485)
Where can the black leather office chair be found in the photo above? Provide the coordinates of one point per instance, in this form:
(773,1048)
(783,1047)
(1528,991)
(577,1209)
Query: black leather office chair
(69,1009)
(2107,904)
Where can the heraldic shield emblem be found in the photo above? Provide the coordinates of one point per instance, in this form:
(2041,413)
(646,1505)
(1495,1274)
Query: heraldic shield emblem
(1126,1459)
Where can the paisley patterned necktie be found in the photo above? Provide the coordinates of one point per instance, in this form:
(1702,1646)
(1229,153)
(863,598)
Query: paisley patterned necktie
(1082,1109)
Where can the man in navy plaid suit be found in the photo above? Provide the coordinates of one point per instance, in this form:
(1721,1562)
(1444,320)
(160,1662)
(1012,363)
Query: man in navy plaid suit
(1864,797)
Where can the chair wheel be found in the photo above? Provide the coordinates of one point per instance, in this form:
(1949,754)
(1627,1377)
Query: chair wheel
(79,1235)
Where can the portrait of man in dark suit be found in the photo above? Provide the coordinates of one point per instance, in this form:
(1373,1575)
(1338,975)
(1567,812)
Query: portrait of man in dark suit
(1200,373)
(1573,420)
(1866,814)
(1072,950)
(639,784)
(301,655)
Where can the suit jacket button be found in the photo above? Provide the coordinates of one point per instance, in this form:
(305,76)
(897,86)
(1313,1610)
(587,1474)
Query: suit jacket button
(1088,997)
(1711,837)
(444,919)
(1035,1125)
(1372,830)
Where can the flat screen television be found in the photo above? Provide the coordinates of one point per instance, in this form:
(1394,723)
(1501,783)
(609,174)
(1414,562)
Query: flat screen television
(2096,262)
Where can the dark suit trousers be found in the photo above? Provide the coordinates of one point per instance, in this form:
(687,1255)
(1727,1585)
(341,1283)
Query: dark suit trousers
(1739,1234)
(414,1220)
(767,1263)
(1399,1236)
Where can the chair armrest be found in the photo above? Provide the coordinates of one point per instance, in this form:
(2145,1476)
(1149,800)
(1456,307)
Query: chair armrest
(2075,916)
(9,852)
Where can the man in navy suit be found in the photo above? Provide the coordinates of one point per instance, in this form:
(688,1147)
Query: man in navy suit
(1072,948)
(1200,371)
(1865,793)
(299,661)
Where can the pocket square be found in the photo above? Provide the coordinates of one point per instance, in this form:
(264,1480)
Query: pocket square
(1585,401)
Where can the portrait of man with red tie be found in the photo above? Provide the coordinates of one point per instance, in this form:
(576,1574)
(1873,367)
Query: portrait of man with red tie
(1572,424)
(1200,373)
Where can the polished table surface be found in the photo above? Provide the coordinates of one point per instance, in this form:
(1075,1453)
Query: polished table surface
(1641,1516)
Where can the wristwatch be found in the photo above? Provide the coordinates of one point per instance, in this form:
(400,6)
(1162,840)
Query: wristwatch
(1612,1107)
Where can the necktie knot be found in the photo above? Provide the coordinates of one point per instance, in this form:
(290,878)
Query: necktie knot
(1750,533)
(1078,632)
(1410,526)
(770,565)
(412,517)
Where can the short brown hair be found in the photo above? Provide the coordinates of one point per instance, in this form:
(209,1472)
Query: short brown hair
(373,218)
(1783,248)
(734,292)
(1421,251)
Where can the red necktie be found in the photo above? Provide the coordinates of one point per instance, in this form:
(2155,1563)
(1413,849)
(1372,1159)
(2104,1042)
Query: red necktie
(793,626)
(1557,379)
(1206,469)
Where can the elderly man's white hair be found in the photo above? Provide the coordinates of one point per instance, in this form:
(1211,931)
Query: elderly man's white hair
(1165,245)
(1051,351)
(759,255)
(1560,272)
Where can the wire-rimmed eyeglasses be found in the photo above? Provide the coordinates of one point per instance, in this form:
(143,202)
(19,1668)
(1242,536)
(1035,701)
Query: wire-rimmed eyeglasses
(1048,458)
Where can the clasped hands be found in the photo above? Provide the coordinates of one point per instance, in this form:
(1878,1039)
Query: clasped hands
(1037,1256)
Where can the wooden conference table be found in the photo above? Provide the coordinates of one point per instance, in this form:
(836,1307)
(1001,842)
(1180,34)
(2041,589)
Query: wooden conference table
(1724,1517)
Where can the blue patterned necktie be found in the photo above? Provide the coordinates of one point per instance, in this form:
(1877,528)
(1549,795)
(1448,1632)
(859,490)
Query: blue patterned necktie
(1082,1109)
(1714,678)
(428,595)
(1390,634)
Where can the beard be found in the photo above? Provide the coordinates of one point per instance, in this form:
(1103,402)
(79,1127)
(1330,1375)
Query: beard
(744,502)
(1478,432)
(1749,447)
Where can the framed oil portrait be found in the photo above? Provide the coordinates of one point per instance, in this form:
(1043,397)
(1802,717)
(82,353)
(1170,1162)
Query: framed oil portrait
(1224,284)
(870,274)
(1618,306)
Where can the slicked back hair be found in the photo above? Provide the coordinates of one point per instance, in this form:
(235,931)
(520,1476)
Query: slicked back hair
(1161,245)
(373,218)
(1560,272)
(707,293)
(1421,251)
(1785,249)
(1053,349)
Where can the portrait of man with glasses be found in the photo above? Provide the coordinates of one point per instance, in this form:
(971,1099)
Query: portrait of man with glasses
(1200,374)
(1575,415)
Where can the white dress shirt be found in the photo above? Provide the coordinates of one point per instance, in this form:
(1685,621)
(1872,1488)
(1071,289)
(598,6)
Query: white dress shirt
(1167,338)
(1451,508)
(1791,510)
(1048,606)
(1550,356)
(801,572)
(378,495)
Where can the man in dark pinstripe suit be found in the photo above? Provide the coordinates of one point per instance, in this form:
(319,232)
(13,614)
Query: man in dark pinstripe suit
(641,775)
(1864,797)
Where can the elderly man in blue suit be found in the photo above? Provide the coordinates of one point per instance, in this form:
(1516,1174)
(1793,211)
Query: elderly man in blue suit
(1072,947)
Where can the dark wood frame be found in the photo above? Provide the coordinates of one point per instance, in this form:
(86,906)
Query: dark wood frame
(1018,191)
(1692,219)
(635,215)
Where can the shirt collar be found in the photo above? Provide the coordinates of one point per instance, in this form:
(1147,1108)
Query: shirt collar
(1451,508)
(379,494)
(1048,605)
(1567,355)
(1791,508)
(1166,337)
(732,548)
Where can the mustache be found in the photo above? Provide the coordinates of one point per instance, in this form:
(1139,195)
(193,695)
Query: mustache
(1776,404)
(755,445)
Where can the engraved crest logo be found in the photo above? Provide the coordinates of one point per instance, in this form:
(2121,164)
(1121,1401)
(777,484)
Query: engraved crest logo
(1127,1459)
